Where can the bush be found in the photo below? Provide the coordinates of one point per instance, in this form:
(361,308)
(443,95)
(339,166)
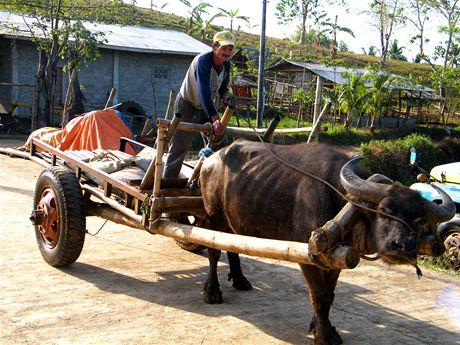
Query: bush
(391,158)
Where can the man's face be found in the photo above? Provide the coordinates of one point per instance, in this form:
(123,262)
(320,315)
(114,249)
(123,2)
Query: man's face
(223,53)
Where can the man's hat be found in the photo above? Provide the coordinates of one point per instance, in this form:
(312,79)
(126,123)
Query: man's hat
(224,38)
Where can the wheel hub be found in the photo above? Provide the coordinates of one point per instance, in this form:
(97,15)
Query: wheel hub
(46,217)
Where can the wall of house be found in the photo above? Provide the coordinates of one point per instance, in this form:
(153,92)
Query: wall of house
(5,71)
(18,61)
(144,78)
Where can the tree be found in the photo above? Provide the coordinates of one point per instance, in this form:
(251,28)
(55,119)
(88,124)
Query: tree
(195,12)
(343,47)
(419,19)
(289,10)
(233,14)
(202,26)
(395,51)
(450,11)
(353,96)
(58,33)
(333,28)
(379,93)
(371,52)
(386,14)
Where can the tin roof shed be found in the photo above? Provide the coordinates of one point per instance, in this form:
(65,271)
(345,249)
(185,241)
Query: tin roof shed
(126,38)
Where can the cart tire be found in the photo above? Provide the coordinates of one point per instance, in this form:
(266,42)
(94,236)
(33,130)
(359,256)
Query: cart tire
(188,246)
(59,216)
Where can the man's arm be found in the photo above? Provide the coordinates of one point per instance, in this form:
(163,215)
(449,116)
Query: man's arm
(203,77)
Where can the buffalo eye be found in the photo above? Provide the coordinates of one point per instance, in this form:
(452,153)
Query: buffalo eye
(385,210)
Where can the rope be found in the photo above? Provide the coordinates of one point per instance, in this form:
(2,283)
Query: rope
(303,172)
(89,233)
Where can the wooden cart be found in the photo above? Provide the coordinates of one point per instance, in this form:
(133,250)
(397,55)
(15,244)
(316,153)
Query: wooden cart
(71,188)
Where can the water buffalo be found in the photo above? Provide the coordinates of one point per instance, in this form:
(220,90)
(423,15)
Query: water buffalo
(247,190)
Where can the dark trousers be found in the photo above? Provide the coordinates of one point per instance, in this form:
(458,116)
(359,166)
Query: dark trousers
(181,141)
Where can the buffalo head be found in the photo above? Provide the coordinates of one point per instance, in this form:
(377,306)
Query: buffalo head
(400,217)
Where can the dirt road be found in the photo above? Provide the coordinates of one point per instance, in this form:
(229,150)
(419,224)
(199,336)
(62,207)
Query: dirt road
(129,287)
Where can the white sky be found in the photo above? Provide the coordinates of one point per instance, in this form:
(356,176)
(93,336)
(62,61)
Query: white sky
(365,34)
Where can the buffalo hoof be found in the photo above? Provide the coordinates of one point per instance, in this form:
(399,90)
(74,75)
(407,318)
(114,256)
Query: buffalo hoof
(240,282)
(212,295)
(332,337)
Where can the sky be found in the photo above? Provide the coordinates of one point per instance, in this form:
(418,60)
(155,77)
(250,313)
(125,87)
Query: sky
(365,34)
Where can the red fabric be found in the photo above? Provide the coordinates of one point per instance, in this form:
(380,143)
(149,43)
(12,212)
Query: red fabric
(98,129)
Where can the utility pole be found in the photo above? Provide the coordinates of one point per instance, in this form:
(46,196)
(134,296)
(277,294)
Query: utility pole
(260,86)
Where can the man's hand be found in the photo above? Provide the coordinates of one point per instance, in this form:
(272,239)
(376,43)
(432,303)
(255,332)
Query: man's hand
(217,126)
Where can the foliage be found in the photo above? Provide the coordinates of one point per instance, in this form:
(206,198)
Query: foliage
(391,158)
(380,92)
(395,51)
(353,96)
(289,10)
(233,14)
(386,16)
(195,12)
(59,33)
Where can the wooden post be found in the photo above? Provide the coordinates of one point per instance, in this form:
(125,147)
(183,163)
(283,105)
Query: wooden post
(110,99)
(318,96)
(158,170)
(314,133)
(171,128)
(170,108)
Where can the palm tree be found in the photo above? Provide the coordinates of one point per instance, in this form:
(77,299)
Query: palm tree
(202,26)
(353,96)
(233,14)
(395,51)
(380,93)
(333,28)
(195,11)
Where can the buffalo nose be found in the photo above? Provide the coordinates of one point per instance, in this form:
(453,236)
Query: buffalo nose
(409,245)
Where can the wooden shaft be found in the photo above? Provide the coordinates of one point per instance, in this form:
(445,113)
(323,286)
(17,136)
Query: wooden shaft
(170,108)
(163,203)
(111,97)
(197,128)
(107,212)
(147,124)
(226,117)
(268,135)
(159,161)
(273,249)
(172,128)
(333,231)
(196,170)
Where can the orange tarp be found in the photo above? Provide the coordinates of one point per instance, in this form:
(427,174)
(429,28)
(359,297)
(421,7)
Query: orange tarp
(98,129)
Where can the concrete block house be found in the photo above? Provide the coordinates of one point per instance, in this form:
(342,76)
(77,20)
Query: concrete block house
(143,64)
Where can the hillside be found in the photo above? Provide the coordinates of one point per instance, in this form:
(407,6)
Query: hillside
(278,47)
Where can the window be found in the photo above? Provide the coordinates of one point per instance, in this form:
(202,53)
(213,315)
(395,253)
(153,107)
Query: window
(160,73)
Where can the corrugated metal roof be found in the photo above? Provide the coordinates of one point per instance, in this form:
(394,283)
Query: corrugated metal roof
(336,75)
(128,38)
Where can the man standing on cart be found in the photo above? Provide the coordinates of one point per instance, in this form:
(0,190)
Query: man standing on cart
(205,83)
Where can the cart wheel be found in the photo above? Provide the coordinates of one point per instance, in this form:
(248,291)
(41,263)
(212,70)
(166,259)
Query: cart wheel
(59,216)
(189,246)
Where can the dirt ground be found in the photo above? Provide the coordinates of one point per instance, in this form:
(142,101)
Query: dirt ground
(130,287)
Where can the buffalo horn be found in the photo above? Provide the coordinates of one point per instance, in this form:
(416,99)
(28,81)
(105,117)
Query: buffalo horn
(443,212)
(363,189)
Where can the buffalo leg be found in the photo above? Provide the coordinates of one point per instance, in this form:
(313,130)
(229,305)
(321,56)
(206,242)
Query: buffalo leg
(212,293)
(321,285)
(239,280)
